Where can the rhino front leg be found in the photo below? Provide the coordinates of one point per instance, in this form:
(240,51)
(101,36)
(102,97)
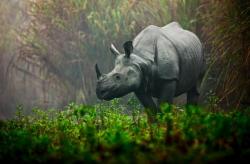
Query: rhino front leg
(148,103)
(167,92)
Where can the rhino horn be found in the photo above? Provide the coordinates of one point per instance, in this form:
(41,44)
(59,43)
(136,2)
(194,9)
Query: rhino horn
(128,48)
(114,50)
(98,73)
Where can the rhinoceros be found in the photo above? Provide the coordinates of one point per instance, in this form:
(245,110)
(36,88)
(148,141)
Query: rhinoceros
(161,63)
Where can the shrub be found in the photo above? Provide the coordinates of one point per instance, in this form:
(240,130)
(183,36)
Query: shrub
(101,134)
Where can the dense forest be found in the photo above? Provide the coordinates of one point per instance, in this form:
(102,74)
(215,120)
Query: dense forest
(48,50)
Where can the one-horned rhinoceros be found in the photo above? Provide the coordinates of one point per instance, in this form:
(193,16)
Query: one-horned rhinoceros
(161,62)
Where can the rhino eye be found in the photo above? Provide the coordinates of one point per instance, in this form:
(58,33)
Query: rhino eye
(117,77)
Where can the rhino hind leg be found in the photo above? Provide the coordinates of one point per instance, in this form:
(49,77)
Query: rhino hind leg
(193,96)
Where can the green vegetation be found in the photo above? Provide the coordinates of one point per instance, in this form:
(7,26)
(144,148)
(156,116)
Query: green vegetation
(107,132)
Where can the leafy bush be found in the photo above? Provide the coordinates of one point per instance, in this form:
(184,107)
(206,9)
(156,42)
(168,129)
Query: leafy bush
(103,133)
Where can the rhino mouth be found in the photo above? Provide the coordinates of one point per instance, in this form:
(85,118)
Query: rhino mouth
(108,94)
(104,95)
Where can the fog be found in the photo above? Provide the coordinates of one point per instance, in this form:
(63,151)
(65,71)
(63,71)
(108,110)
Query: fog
(48,49)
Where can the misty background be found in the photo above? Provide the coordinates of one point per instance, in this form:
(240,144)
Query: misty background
(48,48)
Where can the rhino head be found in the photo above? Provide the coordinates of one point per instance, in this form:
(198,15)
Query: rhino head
(123,79)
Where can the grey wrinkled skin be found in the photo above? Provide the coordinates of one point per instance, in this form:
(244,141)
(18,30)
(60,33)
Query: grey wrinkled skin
(161,62)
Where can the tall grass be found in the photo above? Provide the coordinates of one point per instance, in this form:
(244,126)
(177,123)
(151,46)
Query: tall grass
(226,26)
(66,38)
(69,37)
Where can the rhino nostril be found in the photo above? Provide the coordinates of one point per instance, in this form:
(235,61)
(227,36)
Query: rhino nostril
(117,77)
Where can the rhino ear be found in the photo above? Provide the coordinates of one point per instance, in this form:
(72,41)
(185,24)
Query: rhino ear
(114,50)
(128,48)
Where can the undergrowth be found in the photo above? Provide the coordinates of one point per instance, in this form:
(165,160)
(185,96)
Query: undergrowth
(107,132)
